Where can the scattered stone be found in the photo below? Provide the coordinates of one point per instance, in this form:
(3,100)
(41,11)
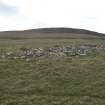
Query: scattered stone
(54,51)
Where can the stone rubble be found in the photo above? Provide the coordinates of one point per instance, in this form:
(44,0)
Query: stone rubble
(54,51)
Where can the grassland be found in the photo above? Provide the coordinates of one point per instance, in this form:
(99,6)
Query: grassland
(52,81)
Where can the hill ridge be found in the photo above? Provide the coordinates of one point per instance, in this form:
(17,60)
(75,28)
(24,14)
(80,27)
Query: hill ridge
(51,33)
(65,30)
(60,30)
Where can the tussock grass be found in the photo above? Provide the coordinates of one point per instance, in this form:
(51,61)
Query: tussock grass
(67,81)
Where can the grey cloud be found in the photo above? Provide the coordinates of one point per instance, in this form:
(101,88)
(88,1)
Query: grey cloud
(6,9)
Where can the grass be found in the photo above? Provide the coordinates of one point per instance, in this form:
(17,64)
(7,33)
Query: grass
(67,81)
(53,81)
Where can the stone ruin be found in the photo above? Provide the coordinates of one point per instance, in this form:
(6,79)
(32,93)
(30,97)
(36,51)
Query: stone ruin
(54,51)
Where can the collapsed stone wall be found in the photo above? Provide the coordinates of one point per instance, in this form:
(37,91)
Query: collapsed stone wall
(54,51)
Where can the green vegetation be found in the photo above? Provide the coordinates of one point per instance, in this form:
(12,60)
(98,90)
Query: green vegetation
(53,81)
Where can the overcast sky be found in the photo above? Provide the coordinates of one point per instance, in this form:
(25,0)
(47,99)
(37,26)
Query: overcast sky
(27,14)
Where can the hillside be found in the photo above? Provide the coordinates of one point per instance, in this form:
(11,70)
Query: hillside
(28,78)
(49,33)
(65,30)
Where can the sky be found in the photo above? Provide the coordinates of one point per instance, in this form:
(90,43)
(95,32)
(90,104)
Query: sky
(31,14)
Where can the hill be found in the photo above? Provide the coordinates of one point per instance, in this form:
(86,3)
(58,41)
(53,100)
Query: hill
(50,33)
(65,30)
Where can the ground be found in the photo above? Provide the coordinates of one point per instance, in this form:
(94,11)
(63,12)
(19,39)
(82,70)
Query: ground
(53,81)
